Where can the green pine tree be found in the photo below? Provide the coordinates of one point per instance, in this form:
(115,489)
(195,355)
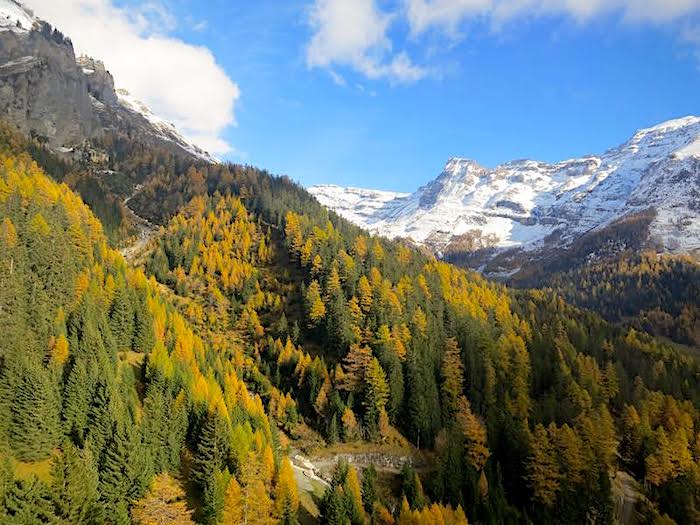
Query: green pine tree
(74,486)
(213,449)
(126,469)
(101,418)
(121,318)
(369,488)
(213,496)
(29,503)
(76,400)
(33,426)
(144,339)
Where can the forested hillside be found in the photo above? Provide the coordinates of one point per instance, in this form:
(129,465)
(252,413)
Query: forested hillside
(112,407)
(176,388)
(655,293)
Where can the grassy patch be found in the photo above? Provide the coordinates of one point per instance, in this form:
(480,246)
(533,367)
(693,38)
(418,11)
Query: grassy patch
(40,469)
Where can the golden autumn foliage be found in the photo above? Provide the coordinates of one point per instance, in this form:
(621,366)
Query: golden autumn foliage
(59,350)
(474,432)
(543,470)
(317,308)
(408,339)
(233,504)
(434,514)
(286,496)
(164,504)
(355,365)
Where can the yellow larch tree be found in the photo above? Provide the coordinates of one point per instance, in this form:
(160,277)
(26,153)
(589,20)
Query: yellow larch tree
(286,496)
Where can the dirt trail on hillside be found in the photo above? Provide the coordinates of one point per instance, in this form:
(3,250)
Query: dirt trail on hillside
(146,230)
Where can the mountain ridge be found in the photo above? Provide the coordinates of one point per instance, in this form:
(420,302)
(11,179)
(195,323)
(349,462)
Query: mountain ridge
(39,73)
(528,205)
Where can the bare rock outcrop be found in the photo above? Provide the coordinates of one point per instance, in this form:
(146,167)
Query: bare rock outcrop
(43,91)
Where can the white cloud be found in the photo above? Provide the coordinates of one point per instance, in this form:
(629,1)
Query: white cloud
(337,78)
(200,26)
(402,69)
(448,14)
(423,14)
(180,82)
(354,33)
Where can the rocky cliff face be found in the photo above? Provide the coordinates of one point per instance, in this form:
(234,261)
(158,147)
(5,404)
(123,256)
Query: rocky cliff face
(47,93)
(100,84)
(42,90)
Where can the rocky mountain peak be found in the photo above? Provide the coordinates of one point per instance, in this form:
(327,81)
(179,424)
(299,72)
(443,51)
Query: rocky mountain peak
(100,82)
(530,205)
(46,92)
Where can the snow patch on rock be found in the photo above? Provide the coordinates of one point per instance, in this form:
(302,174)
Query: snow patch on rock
(162,127)
(15,17)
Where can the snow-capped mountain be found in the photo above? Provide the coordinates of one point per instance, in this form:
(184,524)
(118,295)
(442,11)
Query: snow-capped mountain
(47,92)
(531,205)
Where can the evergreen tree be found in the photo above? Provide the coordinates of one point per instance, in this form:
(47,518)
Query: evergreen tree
(333,507)
(29,503)
(213,448)
(74,484)
(144,338)
(452,372)
(411,487)
(77,392)
(164,428)
(121,318)
(101,418)
(369,488)
(126,470)
(214,496)
(333,434)
(6,480)
(33,426)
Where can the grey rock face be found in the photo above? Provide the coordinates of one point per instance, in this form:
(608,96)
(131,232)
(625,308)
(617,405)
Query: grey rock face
(42,90)
(100,83)
(46,93)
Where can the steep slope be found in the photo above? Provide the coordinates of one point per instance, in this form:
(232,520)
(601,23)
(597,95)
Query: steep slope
(533,371)
(530,206)
(260,312)
(47,93)
(104,385)
(93,131)
(660,295)
(524,403)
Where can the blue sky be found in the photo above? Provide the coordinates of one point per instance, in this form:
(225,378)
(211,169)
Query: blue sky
(384,101)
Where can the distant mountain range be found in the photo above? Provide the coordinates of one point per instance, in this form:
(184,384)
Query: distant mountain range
(523,208)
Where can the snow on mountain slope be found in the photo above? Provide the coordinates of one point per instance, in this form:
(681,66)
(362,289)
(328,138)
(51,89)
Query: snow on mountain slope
(529,204)
(161,127)
(355,204)
(15,17)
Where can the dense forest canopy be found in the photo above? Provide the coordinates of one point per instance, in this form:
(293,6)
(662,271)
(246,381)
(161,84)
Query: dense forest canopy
(659,294)
(180,385)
